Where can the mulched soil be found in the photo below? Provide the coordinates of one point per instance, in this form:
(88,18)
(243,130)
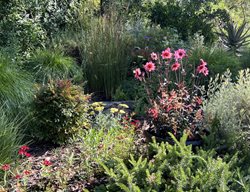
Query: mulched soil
(58,156)
(40,148)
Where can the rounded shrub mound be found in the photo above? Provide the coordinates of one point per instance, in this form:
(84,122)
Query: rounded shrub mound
(61,111)
(227,111)
(49,64)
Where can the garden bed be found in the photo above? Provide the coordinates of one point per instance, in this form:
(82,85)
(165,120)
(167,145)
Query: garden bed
(124,96)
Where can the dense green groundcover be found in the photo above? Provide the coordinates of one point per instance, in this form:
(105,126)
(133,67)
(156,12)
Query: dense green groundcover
(180,62)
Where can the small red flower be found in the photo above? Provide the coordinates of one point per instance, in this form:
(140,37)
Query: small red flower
(27,154)
(135,123)
(202,62)
(202,68)
(47,162)
(24,148)
(23,151)
(20,152)
(18,176)
(205,72)
(26,172)
(5,167)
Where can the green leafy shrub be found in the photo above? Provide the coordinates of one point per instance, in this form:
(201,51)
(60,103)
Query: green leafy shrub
(23,31)
(227,111)
(153,37)
(60,111)
(52,64)
(129,89)
(29,24)
(219,60)
(172,168)
(108,138)
(187,17)
(120,95)
(245,58)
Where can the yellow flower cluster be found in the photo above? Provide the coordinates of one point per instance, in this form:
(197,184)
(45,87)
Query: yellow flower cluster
(119,109)
(98,106)
(114,110)
(124,106)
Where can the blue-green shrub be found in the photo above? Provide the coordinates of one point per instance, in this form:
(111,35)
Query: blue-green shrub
(227,112)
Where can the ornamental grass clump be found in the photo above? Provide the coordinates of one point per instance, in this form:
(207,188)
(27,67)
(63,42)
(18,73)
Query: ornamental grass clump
(106,50)
(46,64)
(10,135)
(15,85)
(173,92)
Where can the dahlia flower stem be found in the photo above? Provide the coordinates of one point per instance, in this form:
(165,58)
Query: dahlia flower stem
(5,178)
(176,76)
(148,93)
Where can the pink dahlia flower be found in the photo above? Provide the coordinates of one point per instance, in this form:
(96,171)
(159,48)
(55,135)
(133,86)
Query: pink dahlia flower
(137,73)
(166,54)
(202,68)
(179,54)
(154,56)
(202,62)
(149,66)
(175,66)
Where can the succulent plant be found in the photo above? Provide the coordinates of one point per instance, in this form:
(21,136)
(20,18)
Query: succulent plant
(234,37)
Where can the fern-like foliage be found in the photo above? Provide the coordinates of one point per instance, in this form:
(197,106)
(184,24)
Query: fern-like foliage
(172,168)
